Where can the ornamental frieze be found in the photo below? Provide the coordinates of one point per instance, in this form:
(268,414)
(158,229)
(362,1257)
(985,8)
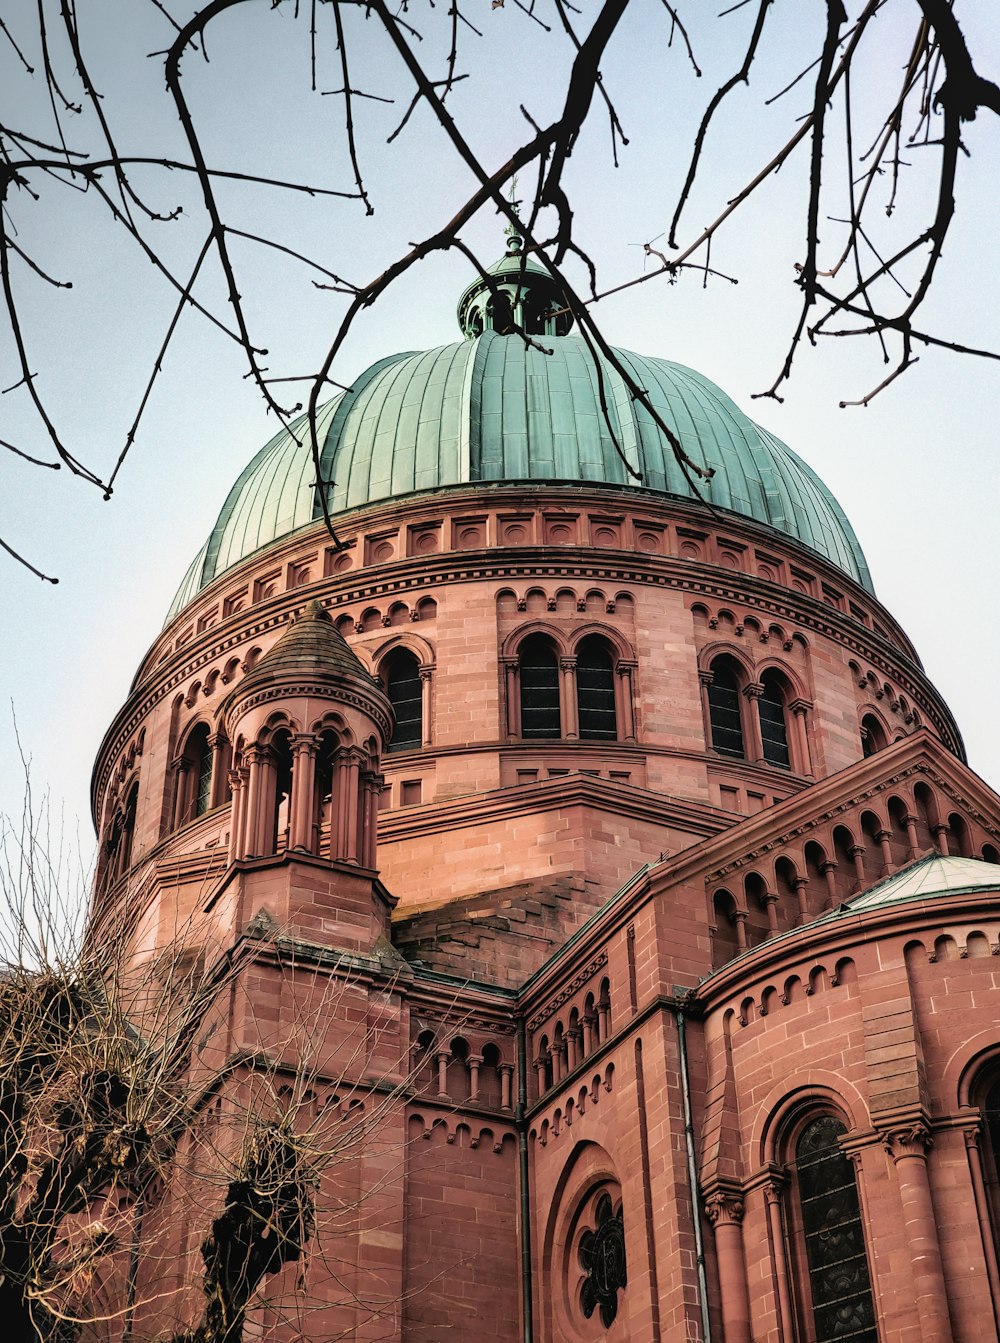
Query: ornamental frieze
(568,990)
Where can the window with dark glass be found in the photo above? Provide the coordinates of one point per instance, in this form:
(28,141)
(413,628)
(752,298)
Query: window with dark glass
(839,1281)
(203,778)
(773,728)
(595,691)
(539,677)
(405,695)
(724,711)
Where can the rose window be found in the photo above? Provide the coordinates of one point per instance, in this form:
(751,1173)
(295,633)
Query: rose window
(602,1258)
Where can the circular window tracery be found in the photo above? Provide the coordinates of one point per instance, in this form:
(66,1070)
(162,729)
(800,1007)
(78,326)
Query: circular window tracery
(601,1252)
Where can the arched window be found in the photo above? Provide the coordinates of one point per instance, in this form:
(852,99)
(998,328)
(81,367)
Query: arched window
(773,726)
(595,691)
(201,754)
(403,686)
(724,709)
(539,678)
(121,835)
(838,1283)
(872,735)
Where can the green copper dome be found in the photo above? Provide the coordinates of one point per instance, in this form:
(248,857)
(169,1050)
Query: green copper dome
(491,409)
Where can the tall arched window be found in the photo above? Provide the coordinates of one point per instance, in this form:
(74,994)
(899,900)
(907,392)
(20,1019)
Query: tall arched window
(201,759)
(405,691)
(724,709)
(595,691)
(539,679)
(773,725)
(838,1281)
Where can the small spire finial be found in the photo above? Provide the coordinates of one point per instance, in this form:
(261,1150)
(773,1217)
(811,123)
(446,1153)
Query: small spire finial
(513,230)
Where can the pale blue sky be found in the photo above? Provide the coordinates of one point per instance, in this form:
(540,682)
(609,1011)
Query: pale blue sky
(914,471)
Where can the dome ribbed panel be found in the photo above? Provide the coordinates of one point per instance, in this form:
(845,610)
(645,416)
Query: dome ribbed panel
(494,409)
(273,496)
(403,430)
(538,417)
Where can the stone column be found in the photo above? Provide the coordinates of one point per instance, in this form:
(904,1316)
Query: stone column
(908,1148)
(441,1059)
(539,1066)
(975,1156)
(346,800)
(883,837)
(857,852)
(603,1021)
(567,699)
(302,801)
(625,698)
(238,823)
(474,1063)
(940,833)
(705,679)
(740,917)
(589,1022)
(513,698)
(506,1071)
(800,884)
(799,708)
(771,906)
(426,705)
(774,1195)
(829,871)
(558,1060)
(910,822)
(753,742)
(573,1046)
(257,823)
(373,784)
(725,1212)
(182,776)
(219,744)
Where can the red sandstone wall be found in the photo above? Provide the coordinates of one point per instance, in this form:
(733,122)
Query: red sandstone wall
(461,1248)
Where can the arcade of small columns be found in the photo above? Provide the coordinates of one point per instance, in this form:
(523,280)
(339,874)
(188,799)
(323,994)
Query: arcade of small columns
(354,789)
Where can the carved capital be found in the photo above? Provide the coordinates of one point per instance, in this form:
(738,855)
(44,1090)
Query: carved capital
(754,690)
(724,1208)
(802,706)
(773,1190)
(567,664)
(908,1140)
(425,673)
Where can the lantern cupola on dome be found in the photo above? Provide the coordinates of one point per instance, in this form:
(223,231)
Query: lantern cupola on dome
(516,294)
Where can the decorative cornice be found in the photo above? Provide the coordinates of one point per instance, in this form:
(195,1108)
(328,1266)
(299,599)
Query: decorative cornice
(568,990)
(426,571)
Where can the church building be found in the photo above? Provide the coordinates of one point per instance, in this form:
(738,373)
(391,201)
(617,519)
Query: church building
(597,843)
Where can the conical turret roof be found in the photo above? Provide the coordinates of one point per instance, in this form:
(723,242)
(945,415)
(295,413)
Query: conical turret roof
(311,643)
